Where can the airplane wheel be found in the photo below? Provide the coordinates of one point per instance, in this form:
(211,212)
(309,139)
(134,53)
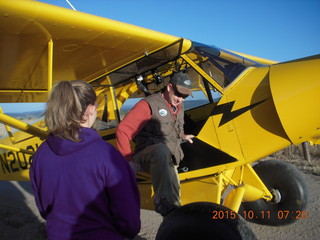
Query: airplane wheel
(204,220)
(290,191)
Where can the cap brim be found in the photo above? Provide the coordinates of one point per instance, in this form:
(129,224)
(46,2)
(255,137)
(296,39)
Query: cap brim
(184,90)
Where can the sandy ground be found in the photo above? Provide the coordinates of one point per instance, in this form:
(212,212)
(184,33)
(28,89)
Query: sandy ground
(19,218)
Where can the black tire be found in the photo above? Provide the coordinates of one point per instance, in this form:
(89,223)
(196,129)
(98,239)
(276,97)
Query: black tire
(196,221)
(290,195)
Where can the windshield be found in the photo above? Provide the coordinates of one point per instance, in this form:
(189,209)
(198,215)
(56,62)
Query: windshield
(223,66)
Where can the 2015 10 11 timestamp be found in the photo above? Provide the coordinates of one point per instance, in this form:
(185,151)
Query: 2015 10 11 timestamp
(281,214)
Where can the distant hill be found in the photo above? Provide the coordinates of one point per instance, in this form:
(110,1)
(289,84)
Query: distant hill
(26,115)
(188,104)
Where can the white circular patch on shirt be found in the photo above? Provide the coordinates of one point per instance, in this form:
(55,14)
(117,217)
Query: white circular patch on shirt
(163,112)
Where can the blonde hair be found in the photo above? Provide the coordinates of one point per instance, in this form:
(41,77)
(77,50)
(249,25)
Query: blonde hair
(66,107)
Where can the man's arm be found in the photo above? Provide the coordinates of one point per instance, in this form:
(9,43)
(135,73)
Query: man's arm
(130,126)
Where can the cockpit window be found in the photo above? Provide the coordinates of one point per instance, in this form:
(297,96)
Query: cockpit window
(223,66)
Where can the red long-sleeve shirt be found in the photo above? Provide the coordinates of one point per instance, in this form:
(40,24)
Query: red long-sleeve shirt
(132,124)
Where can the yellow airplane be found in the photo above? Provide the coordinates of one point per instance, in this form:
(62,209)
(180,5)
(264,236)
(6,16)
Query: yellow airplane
(244,108)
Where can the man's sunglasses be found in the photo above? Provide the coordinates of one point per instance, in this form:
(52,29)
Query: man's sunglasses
(179,95)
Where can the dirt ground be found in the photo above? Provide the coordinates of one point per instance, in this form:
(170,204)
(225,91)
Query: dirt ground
(19,218)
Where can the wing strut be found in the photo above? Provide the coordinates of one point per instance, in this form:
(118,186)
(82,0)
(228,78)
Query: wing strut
(50,64)
(5,119)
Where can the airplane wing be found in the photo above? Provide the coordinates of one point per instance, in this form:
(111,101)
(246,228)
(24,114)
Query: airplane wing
(42,44)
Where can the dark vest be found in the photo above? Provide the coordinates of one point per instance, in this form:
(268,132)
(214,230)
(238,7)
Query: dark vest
(162,128)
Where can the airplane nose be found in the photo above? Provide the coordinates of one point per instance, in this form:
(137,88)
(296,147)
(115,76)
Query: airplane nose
(295,89)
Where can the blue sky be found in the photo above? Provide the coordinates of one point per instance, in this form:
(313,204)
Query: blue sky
(280,30)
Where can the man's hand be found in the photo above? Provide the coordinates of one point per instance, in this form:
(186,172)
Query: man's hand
(189,138)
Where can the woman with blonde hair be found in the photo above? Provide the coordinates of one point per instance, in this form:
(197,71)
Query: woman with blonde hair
(82,185)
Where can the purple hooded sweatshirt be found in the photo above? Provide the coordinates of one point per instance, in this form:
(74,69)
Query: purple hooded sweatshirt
(85,190)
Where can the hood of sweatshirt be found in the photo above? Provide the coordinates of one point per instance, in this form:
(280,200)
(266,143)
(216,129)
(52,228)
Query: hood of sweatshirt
(62,146)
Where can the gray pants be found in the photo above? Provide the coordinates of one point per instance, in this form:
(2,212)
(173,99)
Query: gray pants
(156,160)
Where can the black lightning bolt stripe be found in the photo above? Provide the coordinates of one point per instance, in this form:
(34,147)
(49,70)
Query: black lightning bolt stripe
(227,113)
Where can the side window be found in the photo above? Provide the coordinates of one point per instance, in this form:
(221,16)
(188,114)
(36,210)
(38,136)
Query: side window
(200,98)
(127,105)
(203,92)
(199,108)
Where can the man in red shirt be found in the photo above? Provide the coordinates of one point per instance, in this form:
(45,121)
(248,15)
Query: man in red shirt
(156,125)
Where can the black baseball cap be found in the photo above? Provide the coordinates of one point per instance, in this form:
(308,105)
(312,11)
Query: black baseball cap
(182,82)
